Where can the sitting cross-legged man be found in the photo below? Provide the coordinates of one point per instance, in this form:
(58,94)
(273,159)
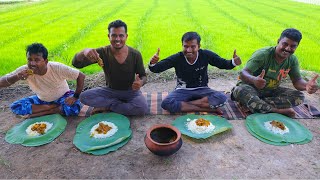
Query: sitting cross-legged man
(124,73)
(48,80)
(259,90)
(192,93)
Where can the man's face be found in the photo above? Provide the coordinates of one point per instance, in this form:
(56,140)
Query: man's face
(190,49)
(36,62)
(117,37)
(285,48)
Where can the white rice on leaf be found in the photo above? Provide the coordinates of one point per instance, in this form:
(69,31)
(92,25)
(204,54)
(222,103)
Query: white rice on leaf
(35,133)
(194,128)
(275,130)
(111,132)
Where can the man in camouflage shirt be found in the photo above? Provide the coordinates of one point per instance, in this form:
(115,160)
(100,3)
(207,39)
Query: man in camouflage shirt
(259,87)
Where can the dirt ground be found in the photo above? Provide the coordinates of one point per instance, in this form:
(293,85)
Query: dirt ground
(233,154)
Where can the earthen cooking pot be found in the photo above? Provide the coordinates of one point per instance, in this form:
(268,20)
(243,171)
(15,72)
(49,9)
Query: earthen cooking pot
(163,139)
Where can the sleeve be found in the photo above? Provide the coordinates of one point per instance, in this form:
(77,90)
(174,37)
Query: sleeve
(295,69)
(256,62)
(140,68)
(164,64)
(80,61)
(217,61)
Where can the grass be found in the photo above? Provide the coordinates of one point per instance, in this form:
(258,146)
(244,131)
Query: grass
(66,27)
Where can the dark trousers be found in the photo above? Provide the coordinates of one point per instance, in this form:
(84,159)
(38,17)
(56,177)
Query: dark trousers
(128,102)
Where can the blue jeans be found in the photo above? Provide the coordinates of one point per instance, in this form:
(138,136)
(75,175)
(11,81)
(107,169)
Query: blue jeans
(172,102)
(24,105)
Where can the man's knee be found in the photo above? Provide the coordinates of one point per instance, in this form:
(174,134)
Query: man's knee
(85,97)
(141,110)
(171,105)
(237,91)
(217,100)
(299,98)
(21,107)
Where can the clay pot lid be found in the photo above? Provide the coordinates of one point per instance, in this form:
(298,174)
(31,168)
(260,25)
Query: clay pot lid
(176,130)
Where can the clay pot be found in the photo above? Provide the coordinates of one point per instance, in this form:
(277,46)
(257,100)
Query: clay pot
(163,139)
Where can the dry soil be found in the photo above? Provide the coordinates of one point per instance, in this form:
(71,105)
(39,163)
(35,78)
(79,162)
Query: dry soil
(232,154)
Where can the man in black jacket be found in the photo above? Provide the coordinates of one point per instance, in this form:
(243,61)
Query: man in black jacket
(191,67)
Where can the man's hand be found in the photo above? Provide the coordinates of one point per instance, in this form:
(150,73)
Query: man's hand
(91,54)
(155,57)
(259,82)
(312,85)
(137,83)
(236,58)
(70,100)
(23,75)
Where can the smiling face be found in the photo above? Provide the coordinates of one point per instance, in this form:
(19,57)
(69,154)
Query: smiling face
(190,49)
(117,37)
(37,63)
(285,48)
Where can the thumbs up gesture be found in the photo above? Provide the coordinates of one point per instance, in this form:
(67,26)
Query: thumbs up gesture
(155,57)
(137,83)
(236,58)
(259,82)
(312,85)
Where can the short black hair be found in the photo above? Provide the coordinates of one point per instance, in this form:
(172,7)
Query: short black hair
(188,36)
(116,24)
(35,48)
(292,34)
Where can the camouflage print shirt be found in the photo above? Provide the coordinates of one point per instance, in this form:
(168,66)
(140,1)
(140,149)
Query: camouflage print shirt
(265,59)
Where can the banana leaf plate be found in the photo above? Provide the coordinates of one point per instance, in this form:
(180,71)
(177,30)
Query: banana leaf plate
(110,148)
(221,125)
(85,143)
(18,134)
(297,132)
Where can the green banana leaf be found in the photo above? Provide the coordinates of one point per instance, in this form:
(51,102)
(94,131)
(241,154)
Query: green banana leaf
(308,139)
(110,148)
(18,135)
(221,124)
(85,143)
(297,132)
(265,140)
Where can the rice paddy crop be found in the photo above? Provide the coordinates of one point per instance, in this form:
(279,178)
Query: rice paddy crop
(66,27)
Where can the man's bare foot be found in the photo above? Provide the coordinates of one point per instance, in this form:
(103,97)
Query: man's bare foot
(27,116)
(287,112)
(97,110)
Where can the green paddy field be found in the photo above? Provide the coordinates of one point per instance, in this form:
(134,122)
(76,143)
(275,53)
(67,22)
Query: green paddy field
(67,26)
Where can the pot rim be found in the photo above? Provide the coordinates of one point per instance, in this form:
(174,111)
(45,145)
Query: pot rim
(176,130)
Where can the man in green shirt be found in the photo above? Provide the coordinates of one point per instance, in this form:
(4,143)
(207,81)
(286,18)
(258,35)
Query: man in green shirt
(259,87)
(124,74)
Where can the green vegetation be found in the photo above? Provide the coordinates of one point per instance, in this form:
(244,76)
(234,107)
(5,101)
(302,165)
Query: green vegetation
(66,27)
